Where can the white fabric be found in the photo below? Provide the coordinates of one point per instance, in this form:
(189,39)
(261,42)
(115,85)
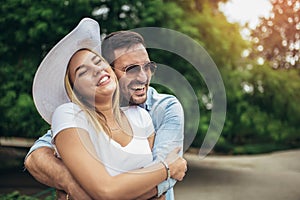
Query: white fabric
(117,159)
(50,76)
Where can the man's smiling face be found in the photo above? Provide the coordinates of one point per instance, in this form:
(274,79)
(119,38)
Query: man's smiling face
(133,87)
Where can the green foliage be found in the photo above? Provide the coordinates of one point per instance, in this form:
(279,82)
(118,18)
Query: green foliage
(24,44)
(16,195)
(258,148)
(262,104)
(30,29)
(277,39)
(262,107)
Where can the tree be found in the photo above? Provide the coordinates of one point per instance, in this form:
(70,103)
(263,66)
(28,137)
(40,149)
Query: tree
(32,28)
(29,30)
(277,38)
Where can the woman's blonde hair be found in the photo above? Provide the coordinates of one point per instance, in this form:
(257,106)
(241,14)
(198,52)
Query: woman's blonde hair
(97,119)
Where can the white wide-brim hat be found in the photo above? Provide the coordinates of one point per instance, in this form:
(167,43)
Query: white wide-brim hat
(48,85)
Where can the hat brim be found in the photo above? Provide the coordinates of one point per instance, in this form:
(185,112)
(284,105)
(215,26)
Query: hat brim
(48,85)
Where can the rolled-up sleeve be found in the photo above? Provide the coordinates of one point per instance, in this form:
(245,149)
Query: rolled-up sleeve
(168,117)
(44,141)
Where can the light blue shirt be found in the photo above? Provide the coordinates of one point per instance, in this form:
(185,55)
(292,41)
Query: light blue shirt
(168,120)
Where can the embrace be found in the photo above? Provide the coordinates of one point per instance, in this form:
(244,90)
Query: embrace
(112,135)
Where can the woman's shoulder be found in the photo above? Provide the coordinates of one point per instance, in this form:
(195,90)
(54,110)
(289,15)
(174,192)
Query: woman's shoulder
(70,106)
(67,109)
(68,115)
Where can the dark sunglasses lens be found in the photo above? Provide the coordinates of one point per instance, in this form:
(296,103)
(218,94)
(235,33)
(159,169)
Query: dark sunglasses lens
(133,69)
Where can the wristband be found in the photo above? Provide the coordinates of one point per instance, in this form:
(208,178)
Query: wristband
(167,168)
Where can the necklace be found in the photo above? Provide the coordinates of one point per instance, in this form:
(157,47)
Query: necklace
(114,129)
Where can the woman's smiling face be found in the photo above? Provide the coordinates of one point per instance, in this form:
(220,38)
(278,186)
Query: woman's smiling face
(91,76)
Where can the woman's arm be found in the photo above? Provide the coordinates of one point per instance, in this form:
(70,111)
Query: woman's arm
(93,177)
(151,194)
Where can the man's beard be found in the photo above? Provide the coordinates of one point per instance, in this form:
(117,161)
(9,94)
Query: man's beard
(131,102)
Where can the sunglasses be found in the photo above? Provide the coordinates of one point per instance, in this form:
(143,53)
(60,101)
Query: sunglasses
(135,69)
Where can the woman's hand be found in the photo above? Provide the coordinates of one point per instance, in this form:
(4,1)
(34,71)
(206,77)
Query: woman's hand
(177,165)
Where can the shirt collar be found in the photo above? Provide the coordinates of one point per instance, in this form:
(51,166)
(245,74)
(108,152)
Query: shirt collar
(148,103)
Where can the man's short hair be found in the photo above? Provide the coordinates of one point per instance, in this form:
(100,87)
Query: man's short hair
(119,40)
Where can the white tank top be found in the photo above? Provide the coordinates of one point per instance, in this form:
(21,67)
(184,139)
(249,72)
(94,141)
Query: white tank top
(117,159)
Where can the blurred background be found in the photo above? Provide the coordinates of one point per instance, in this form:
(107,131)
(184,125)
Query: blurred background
(254,44)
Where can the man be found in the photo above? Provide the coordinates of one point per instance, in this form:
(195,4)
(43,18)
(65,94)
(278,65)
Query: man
(126,52)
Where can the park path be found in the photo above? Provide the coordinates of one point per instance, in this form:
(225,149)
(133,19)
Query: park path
(274,176)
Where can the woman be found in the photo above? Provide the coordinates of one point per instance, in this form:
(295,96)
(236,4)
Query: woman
(92,127)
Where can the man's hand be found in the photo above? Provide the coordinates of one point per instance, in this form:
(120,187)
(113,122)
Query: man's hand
(60,195)
(151,194)
(162,197)
(51,171)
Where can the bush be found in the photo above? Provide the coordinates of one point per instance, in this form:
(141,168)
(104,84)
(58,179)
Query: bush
(16,195)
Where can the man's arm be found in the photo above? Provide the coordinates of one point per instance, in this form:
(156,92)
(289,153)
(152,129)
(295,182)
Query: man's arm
(168,118)
(169,133)
(51,171)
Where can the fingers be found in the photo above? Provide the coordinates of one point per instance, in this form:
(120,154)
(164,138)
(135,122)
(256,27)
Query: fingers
(186,168)
(60,195)
(173,155)
(177,149)
(182,169)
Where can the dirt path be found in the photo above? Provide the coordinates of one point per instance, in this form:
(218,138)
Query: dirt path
(273,176)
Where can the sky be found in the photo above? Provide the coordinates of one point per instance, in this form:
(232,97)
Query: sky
(243,11)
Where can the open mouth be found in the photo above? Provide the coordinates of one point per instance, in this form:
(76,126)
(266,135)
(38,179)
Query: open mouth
(138,89)
(103,80)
